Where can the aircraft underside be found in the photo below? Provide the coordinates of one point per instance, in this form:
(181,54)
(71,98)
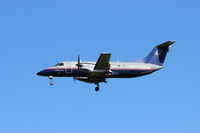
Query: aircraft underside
(86,76)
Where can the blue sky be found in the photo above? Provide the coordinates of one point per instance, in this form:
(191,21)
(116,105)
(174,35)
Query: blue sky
(35,34)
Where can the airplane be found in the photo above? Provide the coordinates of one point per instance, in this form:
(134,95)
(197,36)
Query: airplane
(97,72)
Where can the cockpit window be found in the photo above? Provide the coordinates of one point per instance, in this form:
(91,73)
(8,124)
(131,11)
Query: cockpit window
(60,64)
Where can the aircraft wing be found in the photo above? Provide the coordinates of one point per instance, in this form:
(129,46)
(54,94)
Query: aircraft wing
(102,67)
(103,62)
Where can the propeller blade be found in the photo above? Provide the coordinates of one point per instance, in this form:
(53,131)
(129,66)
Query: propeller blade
(74,78)
(79,61)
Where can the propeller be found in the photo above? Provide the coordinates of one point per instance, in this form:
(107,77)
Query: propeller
(79,62)
(74,78)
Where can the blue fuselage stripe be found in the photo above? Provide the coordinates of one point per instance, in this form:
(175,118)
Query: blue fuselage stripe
(64,72)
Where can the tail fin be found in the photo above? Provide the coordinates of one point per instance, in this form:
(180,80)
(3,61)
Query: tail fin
(158,54)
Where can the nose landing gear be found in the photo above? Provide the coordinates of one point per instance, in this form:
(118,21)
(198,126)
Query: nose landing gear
(51,80)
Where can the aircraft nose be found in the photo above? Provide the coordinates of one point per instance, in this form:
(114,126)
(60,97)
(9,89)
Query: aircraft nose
(46,72)
(40,73)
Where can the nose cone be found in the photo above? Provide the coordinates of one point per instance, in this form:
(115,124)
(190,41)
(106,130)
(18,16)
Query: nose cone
(46,72)
(40,73)
(43,73)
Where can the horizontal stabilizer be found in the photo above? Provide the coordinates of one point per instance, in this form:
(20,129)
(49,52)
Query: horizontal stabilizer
(166,44)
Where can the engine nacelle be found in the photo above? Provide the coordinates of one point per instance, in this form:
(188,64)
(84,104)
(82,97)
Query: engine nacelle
(92,80)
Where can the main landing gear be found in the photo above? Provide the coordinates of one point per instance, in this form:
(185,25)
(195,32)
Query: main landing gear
(51,80)
(97,88)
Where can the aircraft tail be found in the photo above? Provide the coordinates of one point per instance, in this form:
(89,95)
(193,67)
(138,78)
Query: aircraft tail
(158,54)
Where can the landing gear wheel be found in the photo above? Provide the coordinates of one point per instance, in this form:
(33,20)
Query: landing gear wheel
(51,83)
(97,89)
(51,80)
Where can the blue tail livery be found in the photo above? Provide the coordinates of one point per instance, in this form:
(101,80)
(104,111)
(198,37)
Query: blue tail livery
(158,54)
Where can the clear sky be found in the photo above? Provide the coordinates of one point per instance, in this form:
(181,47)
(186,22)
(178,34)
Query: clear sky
(36,34)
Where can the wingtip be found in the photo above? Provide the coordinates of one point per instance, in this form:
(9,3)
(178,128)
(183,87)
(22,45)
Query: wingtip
(172,42)
(105,53)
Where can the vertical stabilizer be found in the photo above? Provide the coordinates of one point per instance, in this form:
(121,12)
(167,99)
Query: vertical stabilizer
(158,54)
